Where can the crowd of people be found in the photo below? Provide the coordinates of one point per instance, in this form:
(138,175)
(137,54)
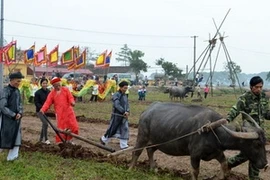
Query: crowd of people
(253,102)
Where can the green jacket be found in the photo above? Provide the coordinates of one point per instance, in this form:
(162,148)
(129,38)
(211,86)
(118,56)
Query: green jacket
(256,106)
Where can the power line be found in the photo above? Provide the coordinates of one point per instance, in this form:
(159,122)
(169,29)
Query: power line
(86,42)
(91,31)
(248,50)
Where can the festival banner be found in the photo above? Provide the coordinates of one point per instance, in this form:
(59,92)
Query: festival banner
(68,56)
(53,56)
(29,55)
(41,56)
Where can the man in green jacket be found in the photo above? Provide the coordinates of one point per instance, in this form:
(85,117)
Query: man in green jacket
(254,103)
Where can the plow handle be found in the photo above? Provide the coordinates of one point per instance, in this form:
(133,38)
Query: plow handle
(44,117)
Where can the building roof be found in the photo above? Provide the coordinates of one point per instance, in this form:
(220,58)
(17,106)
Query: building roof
(111,69)
(62,70)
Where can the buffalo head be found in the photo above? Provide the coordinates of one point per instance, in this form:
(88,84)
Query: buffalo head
(167,90)
(189,89)
(252,142)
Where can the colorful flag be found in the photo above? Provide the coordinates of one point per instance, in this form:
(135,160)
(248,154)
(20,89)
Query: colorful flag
(71,66)
(81,60)
(9,53)
(41,56)
(68,56)
(76,52)
(53,56)
(29,55)
(108,59)
(101,59)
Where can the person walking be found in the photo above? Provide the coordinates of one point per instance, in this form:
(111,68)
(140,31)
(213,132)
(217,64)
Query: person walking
(254,103)
(118,126)
(198,89)
(206,91)
(39,99)
(63,102)
(10,117)
(94,96)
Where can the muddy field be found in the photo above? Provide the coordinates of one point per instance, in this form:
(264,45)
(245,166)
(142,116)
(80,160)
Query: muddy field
(92,129)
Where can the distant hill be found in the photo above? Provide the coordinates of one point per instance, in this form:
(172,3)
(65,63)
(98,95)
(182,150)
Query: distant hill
(222,78)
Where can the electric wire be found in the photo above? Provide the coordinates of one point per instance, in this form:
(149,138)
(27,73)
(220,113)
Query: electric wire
(92,31)
(97,43)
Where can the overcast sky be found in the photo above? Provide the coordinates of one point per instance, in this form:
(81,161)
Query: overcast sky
(159,28)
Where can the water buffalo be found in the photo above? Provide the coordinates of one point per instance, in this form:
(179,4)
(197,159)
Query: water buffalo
(163,122)
(175,92)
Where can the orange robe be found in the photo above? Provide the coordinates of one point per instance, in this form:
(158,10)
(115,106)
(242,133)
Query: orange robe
(65,115)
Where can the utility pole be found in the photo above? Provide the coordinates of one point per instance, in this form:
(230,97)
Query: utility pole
(194,60)
(186,72)
(1,42)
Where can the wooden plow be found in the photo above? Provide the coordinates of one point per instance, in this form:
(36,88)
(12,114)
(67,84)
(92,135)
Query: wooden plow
(67,132)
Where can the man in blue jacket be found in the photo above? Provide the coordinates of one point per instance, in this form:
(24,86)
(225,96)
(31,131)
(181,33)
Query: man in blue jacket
(119,120)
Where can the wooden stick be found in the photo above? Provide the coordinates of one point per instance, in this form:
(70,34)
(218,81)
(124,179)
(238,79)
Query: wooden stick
(87,140)
(120,151)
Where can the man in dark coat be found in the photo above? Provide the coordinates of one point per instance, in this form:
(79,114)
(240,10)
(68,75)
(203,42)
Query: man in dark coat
(10,117)
(39,99)
(119,120)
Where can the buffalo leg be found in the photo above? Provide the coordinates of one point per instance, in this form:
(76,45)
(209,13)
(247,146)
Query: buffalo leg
(150,153)
(141,142)
(195,164)
(224,165)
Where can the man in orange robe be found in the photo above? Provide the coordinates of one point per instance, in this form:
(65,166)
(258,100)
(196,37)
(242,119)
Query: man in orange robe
(63,102)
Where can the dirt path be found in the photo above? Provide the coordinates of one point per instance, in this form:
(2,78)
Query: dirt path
(209,170)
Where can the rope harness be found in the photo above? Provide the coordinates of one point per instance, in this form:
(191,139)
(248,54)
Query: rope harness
(205,128)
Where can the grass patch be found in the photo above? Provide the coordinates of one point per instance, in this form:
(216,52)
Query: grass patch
(46,167)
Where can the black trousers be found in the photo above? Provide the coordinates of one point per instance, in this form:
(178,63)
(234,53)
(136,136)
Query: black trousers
(44,130)
(93,97)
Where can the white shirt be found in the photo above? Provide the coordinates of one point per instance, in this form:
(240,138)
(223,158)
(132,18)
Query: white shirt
(95,89)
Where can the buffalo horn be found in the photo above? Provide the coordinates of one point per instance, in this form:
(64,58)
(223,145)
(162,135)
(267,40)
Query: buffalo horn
(249,118)
(242,135)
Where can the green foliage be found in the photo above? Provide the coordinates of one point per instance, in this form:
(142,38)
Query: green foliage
(123,55)
(169,68)
(90,53)
(136,63)
(233,69)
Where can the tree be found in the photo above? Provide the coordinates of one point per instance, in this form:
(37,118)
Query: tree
(136,63)
(91,54)
(124,55)
(170,69)
(233,69)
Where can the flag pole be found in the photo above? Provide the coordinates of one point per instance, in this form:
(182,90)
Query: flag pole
(33,63)
(46,56)
(1,42)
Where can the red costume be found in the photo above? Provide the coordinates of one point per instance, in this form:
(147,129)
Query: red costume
(65,115)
